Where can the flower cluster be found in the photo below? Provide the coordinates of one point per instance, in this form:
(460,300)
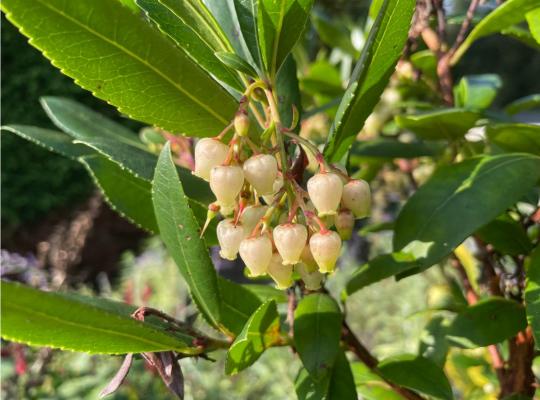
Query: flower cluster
(274,224)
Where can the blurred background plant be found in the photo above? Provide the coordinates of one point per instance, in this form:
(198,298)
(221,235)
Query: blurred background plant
(48,199)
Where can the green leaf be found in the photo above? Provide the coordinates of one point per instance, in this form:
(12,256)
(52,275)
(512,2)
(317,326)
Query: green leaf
(260,332)
(533,19)
(83,123)
(238,303)
(180,232)
(58,320)
(381,52)
(515,137)
(193,28)
(506,236)
(57,142)
(334,32)
(317,320)
(149,80)
(288,92)
(246,12)
(417,373)
(489,321)
(280,23)
(379,268)
(433,343)
(523,104)
(477,92)
(468,192)
(508,13)
(267,292)
(532,294)
(339,385)
(449,124)
(236,62)
(522,34)
(128,195)
(391,148)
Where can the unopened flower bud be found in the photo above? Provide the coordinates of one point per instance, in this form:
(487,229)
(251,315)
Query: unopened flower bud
(326,248)
(280,273)
(226,182)
(290,240)
(276,187)
(357,197)
(256,253)
(312,279)
(325,191)
(251,216)
(261,172)
(345,224)
(208,154)
(241,123)
(229,237)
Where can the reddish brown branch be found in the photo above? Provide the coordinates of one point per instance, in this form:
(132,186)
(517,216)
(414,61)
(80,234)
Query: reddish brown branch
(363,354)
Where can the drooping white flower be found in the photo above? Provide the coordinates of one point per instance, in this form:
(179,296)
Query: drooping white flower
(226,183)
(326,248)
(290,240)
(261,171)
(229,237)
(280,273)
(325,191)
(256,253)
(357,197)
(209,153)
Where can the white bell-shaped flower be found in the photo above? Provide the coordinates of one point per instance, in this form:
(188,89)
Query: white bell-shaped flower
(312,279)
(280,273)
(357,197)
(226,182)
(325,191)
(229,237)
(209,153)
(290,240)
(256,253)
(276,187)
(344,222)
(307,259)
(261,172)
(326,248)
(251,216)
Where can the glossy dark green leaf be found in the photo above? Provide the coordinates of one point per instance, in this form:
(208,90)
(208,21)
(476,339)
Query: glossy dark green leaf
(468,192)
(317,319)
(193,28)
(390,149)
(487,322)
(149,80)
(54,141)
(57,320)
(381,52)
(521,34)
(515,137)
(523,104)
(180,231)
(532,294)
(477,92)
(322,80)
(506,236)
(83,123)
(128,195)
(236,62)
(260,332)
(449,124)
(379,268)
(280,24)
(508,13)
(417,373)
(339,385)
(246,12)
(238,303)
(288,92)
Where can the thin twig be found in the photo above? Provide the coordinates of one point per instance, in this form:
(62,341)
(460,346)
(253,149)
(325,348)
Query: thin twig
(462,34)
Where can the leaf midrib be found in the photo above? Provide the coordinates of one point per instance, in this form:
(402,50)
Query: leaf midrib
(90,327)
(136,57)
